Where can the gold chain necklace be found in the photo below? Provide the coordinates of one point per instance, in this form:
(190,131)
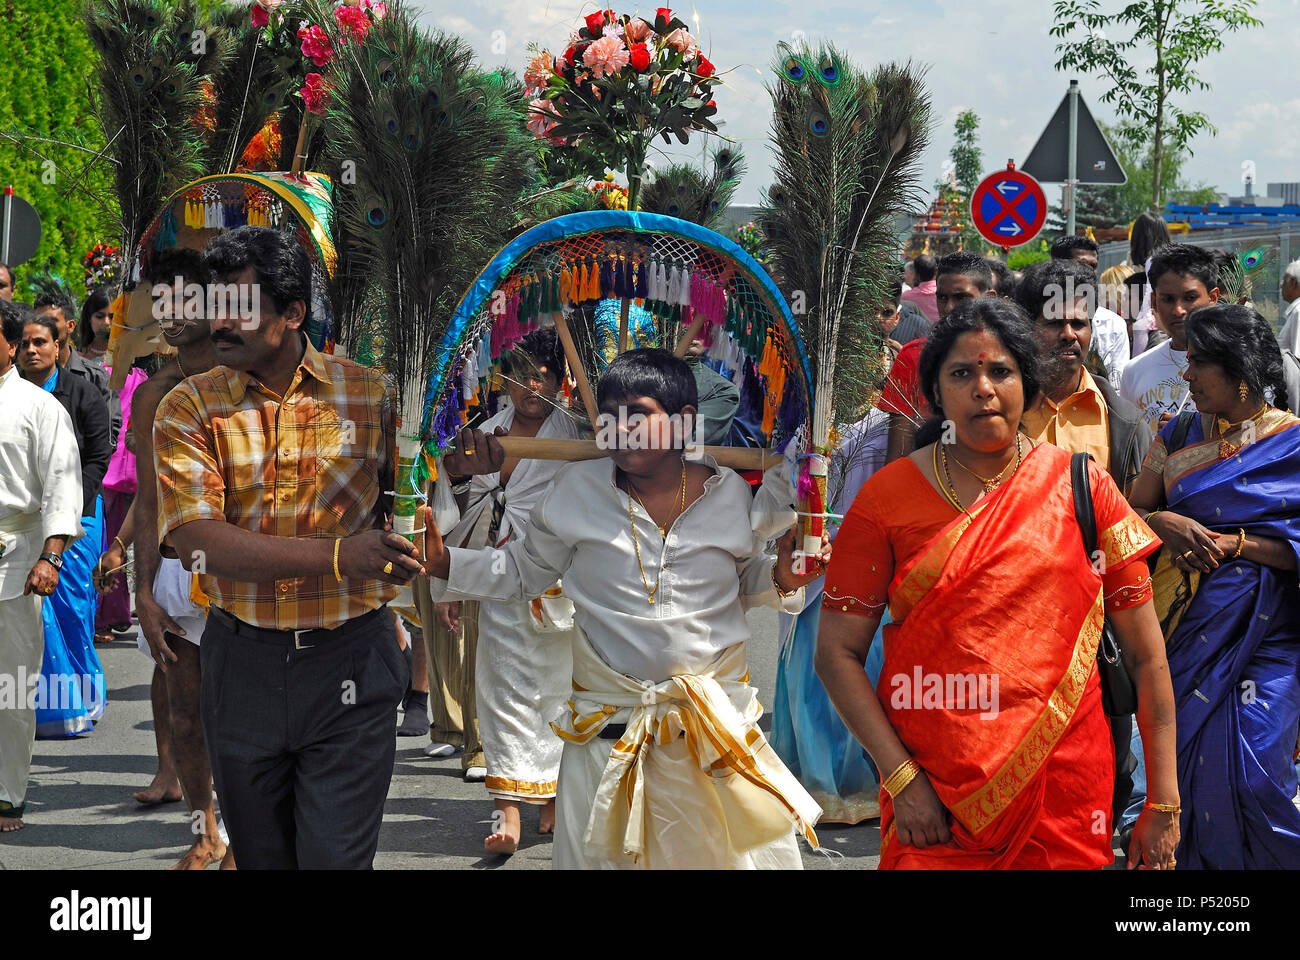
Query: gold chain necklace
(950,491)
(636,543)
(1227,449)
(989,482)
(681,503)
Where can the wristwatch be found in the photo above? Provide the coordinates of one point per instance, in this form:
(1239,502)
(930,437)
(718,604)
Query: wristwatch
(53,559)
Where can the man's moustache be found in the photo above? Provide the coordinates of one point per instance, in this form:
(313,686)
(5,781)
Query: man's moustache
(222,337)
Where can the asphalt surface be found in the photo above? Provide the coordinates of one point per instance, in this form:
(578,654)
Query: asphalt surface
(81,815)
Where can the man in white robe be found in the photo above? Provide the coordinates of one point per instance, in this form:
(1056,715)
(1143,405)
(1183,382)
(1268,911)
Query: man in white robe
(40,514)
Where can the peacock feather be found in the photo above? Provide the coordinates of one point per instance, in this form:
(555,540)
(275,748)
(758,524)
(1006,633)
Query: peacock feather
(847,146)
(685,191)
(1237,273)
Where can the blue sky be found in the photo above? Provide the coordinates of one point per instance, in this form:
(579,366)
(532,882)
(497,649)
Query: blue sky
(992,56)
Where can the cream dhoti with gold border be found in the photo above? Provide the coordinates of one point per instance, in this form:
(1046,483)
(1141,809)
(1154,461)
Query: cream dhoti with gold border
(690,784)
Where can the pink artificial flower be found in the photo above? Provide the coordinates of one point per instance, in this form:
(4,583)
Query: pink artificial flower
(316,45)
(684,43)
(637,30)
(539,71)
(353,21)
(541,117)
(606,57)
(260,16)
(614,29)
(377,10)
(315,94)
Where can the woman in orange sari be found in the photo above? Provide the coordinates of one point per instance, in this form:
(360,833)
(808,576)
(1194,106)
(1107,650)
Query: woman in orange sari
(987,722)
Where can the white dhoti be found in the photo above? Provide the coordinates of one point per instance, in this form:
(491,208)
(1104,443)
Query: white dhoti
(521,683)
(690,784)
(21,645)
(173,589)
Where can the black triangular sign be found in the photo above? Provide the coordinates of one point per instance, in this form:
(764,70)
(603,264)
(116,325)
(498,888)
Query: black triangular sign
(1097,163)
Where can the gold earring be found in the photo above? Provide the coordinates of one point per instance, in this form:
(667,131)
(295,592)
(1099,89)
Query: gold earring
(1243,391)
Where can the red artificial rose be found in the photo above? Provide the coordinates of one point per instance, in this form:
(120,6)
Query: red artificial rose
(568,56)
(260,17)
(594,22)
(664,13)
(704,68)
(712,103)
(640,56)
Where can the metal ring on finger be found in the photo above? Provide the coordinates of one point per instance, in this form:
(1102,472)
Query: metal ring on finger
(388,567)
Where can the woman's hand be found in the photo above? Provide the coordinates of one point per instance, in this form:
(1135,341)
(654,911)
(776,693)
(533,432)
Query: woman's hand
(1192,547)
(793,573)
(1155,838)
(920,816)
(110,559)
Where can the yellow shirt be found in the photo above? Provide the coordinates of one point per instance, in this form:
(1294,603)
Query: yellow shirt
(1078,423)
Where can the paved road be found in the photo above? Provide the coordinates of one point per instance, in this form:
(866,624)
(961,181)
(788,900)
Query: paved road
(81,815)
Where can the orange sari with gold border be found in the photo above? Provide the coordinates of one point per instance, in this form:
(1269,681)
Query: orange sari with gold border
(1006,592)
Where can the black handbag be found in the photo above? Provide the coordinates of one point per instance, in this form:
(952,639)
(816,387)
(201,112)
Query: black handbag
(1118,692)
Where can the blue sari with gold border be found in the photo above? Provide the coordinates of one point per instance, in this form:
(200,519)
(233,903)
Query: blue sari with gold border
(1234,650)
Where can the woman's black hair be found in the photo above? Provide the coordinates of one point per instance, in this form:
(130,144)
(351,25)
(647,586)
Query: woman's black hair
(1002,318)
(44,320)
(649,372)
(1241,342)
(1150,232)
(96,300)
(282,265)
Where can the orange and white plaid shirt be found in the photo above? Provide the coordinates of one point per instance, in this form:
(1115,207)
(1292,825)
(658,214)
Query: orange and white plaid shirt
(313,463)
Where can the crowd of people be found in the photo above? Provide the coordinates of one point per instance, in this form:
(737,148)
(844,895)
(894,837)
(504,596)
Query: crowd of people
(1060,606)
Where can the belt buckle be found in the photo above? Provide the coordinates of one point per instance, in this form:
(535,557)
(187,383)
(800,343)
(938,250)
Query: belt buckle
(297,640)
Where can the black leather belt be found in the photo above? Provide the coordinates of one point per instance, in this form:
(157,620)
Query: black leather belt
(612,731)
(301,639)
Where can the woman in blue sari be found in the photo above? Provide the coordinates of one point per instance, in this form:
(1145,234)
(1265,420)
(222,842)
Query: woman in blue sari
(1224,488)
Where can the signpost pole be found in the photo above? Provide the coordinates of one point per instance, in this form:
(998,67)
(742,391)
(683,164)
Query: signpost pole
(8,218)
(1072,159)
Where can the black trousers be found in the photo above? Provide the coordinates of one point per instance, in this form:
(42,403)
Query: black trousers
(301,739)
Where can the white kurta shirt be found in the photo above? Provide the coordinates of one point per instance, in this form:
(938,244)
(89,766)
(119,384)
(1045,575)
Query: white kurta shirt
(712,571)
(1110,338)
(40,478)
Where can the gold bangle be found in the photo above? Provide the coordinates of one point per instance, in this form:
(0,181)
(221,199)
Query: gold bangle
(1164,807)
(338,542)
(1147,518)
(783,593)
(906,772)
(118,541)
(1241,543)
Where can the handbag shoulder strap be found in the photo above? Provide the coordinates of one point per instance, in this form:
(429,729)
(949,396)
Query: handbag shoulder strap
(1081,488)
(1178,439)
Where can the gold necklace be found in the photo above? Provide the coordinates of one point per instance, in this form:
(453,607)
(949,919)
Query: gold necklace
(989,482)
(681,503)
(1227,449)
(636,543)
(950,489)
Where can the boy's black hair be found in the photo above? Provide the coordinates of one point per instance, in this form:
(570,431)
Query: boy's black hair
(59,301)
(282,265)
(925,267)
(1054,278)
(649,372)
(1185,260)
(1003,279)
(969,265)
(13,316)
(1063,247)
(544,347)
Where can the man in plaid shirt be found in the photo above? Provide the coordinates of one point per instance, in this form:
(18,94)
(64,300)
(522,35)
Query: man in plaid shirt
(271,475)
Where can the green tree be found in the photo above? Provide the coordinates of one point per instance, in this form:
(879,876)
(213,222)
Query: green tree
(967,171)
(1176,35)
(48,134)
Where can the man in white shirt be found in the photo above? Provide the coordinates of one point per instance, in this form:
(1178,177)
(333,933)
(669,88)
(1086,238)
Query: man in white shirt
(664,765)
(1182,278)
(1289,337)
(1109,331)
(40,514)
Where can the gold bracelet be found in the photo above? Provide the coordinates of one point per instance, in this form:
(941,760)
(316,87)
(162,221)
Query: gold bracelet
(118,541)
(1241,543)
(897,781)
(1164,807)
(338,542)
(1147,518)
(783,593)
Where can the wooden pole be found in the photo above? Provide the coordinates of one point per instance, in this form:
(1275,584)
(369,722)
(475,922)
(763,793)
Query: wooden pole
(299,151)
(623,312)
(684,344)
(540,448)
(579,374)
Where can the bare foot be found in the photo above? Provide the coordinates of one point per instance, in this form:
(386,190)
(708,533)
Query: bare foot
(162,790)
(228,861)
(546,823)
(10,824)
(205,852)
(504,838)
